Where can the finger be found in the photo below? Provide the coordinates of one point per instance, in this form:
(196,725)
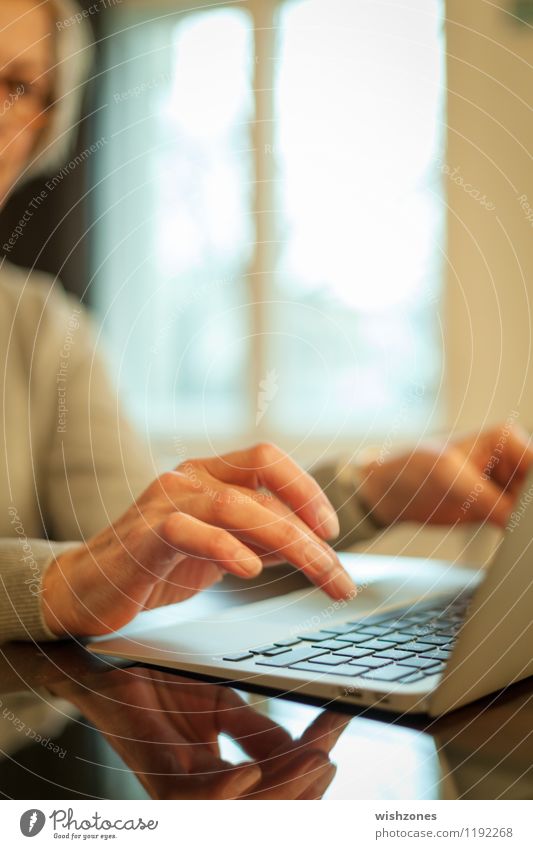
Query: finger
(222,781)
(191,576)
(255,524)
(505,452)
(292,777)
(317,789)
(271,502)
(236,781)
(512,458)
(268,466)
(257,735)
(480,498)
(189,536)
(325,730)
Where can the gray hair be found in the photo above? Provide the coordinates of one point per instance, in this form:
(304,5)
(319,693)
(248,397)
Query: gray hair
(74,53)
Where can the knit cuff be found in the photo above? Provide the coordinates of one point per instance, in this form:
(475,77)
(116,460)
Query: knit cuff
(23,563)
(341,483)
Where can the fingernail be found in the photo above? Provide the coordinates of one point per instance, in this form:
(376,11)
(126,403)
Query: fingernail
(328,521)
(318,559)
(341,585)
(247,566)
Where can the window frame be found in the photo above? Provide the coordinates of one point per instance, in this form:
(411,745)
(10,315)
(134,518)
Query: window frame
(263,215)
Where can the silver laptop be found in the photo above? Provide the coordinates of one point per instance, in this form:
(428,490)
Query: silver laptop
(422,636)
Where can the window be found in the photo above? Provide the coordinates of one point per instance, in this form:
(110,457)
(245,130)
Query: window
(268,218)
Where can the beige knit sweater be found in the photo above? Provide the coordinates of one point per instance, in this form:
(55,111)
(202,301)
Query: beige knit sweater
(70,463)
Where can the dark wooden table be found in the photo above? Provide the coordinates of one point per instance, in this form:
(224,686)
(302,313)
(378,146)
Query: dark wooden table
(140,732)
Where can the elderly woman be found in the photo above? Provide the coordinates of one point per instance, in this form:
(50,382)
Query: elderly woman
(90,534)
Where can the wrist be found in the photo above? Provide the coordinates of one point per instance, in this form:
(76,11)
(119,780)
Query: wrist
(369,494)
(54,591)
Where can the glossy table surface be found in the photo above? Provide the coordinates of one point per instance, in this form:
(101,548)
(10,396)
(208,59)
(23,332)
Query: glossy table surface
(137,732)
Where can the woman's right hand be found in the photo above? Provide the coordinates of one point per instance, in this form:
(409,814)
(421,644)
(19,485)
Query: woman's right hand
(233,513)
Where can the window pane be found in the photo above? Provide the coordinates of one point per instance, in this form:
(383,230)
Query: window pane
(174,233)
(359,116)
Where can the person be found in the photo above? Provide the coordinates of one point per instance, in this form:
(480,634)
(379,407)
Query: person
(90,533)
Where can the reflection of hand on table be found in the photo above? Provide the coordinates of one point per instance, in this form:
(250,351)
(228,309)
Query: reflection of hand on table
(166,730)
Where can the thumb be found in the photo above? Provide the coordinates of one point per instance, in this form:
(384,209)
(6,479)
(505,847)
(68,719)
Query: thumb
(482,499)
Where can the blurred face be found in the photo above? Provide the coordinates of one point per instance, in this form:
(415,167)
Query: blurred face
(26,83)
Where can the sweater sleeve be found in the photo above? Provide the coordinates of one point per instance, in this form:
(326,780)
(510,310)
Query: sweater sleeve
(23,562)
(89,462)
(96,463)
(341,481)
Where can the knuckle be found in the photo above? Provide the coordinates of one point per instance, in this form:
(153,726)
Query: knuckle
(287,533)
(445,468)
(167,481)
(188,478)
(223,502)
(265,453)
(172,525)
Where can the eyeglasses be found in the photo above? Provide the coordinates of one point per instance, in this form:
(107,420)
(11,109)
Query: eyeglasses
(23,101)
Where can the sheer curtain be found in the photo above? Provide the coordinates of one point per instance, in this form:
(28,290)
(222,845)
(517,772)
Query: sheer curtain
(269,220)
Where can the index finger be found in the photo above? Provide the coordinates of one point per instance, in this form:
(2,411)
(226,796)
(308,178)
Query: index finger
(266,465)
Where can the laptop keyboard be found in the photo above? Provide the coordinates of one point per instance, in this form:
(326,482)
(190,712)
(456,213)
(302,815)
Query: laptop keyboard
(404,645)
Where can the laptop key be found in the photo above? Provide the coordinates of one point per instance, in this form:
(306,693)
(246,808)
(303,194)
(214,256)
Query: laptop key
(396,654)
(374,662)
(353,651)
(345,669)
(419,630)
(438,668)
(418,646)
(417,662)
(351,639)
(390,673)
(375,645)
(337,645)
(435,640)
(234,658)
(315,636)
(413,677)
(329,660)
(396,638)
(273,651)
(290,641)
(267,650)
(374,630)
(290,656)
(438,654)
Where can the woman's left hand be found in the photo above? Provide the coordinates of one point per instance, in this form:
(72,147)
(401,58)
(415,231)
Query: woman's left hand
(474,479)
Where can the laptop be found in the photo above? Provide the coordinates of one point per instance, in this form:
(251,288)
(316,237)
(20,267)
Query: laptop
(422,636)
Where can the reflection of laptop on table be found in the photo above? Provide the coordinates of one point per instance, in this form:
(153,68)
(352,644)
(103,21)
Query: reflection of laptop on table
(422,636)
